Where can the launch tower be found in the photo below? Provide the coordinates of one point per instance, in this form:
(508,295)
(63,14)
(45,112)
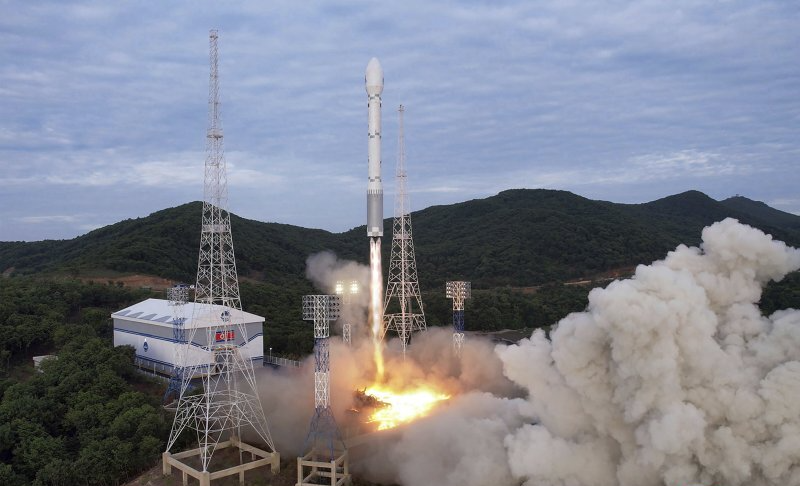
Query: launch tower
(327,456)
(459,291)
(227,404)
(403,284)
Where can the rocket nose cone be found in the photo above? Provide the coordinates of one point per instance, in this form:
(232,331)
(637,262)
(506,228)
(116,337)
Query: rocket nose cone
(374,76)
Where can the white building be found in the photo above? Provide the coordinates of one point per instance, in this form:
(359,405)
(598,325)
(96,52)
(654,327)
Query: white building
(148,327)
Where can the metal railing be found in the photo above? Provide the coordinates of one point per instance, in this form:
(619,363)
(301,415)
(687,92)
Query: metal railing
(278,361)
(153,369)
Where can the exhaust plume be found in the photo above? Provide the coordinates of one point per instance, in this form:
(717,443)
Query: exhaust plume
(672,377)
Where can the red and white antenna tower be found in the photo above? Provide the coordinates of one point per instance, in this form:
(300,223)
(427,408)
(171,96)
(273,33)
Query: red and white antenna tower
(403,284)
(227,405)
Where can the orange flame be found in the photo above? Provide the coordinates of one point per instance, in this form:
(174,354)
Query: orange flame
(398,407)
(402,407)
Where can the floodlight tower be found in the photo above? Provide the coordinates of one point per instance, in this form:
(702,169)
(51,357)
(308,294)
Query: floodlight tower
(178,296)
(346,293)
(459,291)
(347,334)
(228,403)
(327,456)
(403,284)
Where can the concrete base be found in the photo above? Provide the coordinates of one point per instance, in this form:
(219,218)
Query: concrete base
(265,458)
(313,472)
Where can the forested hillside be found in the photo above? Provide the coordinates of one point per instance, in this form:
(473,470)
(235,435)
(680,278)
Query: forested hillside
(84,419)
(517,238)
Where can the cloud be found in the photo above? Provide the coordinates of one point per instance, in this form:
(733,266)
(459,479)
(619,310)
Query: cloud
(46,219)
(548,94)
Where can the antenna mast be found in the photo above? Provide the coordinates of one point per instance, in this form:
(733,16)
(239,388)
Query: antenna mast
(228,402)
(403,284)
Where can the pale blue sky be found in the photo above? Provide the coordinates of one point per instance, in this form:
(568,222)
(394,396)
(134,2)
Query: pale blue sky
(103,104)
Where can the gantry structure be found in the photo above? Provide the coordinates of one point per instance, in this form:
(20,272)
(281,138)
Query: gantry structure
(327,458)
(459,291)
(227,404)
(402,288)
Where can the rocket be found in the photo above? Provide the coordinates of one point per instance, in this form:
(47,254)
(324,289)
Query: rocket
(374,82)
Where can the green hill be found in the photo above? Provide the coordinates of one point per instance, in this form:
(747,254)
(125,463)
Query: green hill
(165,244)
(759,210)
(517,238)
(515,248)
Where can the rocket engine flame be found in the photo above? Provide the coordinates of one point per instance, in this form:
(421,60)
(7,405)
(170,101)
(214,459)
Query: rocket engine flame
(395,406)
(376,304)
(402,407)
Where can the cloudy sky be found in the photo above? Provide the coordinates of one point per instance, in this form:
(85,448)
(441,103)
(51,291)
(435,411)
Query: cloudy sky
(103,105)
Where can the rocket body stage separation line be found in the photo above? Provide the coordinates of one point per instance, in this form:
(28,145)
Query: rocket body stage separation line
(374,82)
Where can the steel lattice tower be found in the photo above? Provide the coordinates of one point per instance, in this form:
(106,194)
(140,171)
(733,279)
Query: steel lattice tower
(403,284)
(228,403)
(324,441)
(177,295)
(459,292)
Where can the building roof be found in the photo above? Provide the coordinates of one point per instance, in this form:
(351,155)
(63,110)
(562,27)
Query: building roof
(158,311)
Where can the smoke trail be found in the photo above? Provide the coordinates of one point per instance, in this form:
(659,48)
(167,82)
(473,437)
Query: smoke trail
(670,378)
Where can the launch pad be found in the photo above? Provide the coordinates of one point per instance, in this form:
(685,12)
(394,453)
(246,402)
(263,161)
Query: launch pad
(335,472)
(258,458)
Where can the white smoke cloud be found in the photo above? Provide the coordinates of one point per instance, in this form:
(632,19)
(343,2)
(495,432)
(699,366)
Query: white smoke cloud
(670,378)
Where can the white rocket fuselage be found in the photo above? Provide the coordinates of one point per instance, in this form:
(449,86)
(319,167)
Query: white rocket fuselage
(374,82)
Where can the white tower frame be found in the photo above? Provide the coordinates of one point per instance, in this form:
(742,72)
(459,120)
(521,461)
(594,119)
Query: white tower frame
(327,458)
(228,403)
(459,291)
(403,283)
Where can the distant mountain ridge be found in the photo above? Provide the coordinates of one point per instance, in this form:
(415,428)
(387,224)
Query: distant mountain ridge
(760,210)
(519,237)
